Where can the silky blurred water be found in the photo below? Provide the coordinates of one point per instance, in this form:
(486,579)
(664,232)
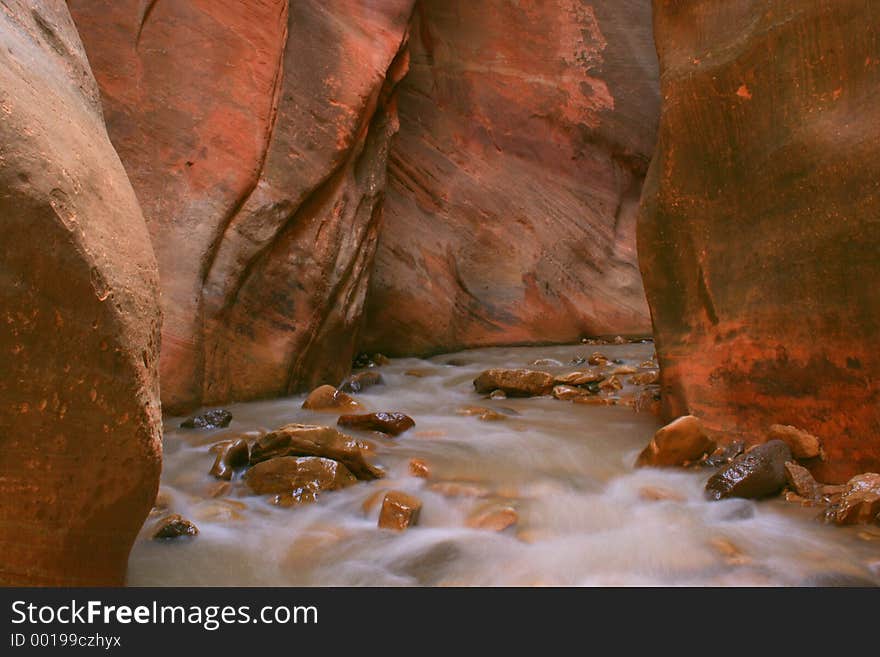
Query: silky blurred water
(566,468)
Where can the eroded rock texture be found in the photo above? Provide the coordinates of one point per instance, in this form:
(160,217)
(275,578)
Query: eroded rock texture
(760,227)
(526,130)
(79,409)
(256,137)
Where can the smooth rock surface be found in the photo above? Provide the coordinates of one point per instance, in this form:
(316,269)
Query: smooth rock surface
(758,232)
(526,130)
(79,319)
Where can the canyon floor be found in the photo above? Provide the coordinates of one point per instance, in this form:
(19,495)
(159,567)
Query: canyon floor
(547,495)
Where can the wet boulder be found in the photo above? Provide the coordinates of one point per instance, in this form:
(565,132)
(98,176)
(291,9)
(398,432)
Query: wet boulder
(231,454)
(860,502)
(515,383)
(399,511)
(680,442)
(803,445)
(392,424)
(482,413)
(361,381)
(724,454)
(174,526)
(291,475)
(758,473)
(214,419)
(598,358)
(314,440)
(328,398)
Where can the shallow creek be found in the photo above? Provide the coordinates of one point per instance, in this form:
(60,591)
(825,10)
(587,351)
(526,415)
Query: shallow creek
(566,468)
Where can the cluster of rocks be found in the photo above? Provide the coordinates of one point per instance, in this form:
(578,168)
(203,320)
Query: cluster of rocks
(599,384)
(296,463)
(780,463)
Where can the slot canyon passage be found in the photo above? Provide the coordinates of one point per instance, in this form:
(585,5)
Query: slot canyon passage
(440,292)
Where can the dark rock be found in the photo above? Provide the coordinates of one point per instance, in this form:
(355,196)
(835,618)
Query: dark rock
(393,424)
(361,381)
(215,419)
(758,473)
(313,440)
(724,454)
(174,526)
(231,454)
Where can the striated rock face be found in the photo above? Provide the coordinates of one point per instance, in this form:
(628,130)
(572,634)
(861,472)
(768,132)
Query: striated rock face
(256,137)
(79,408)
(526,130)
(759,231)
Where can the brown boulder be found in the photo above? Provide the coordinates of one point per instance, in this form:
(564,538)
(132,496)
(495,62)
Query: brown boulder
(231,454)
(482,413)
(328,398)
(802,444)
(301,477)
(526,129)
(515,383)
(760,472)
(313,440)
(79,319)
(680,442)
(399,511)
(393,424)
(758,232)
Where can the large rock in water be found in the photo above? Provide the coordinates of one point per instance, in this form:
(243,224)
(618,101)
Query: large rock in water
(526,130)
(759,230)
(80,423)
(256,136)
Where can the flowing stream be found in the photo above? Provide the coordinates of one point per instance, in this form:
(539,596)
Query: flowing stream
(585,516)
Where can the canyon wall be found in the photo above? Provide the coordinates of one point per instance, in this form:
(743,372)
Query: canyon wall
(80,422)
(256,137)
(759,233)
(526,131)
